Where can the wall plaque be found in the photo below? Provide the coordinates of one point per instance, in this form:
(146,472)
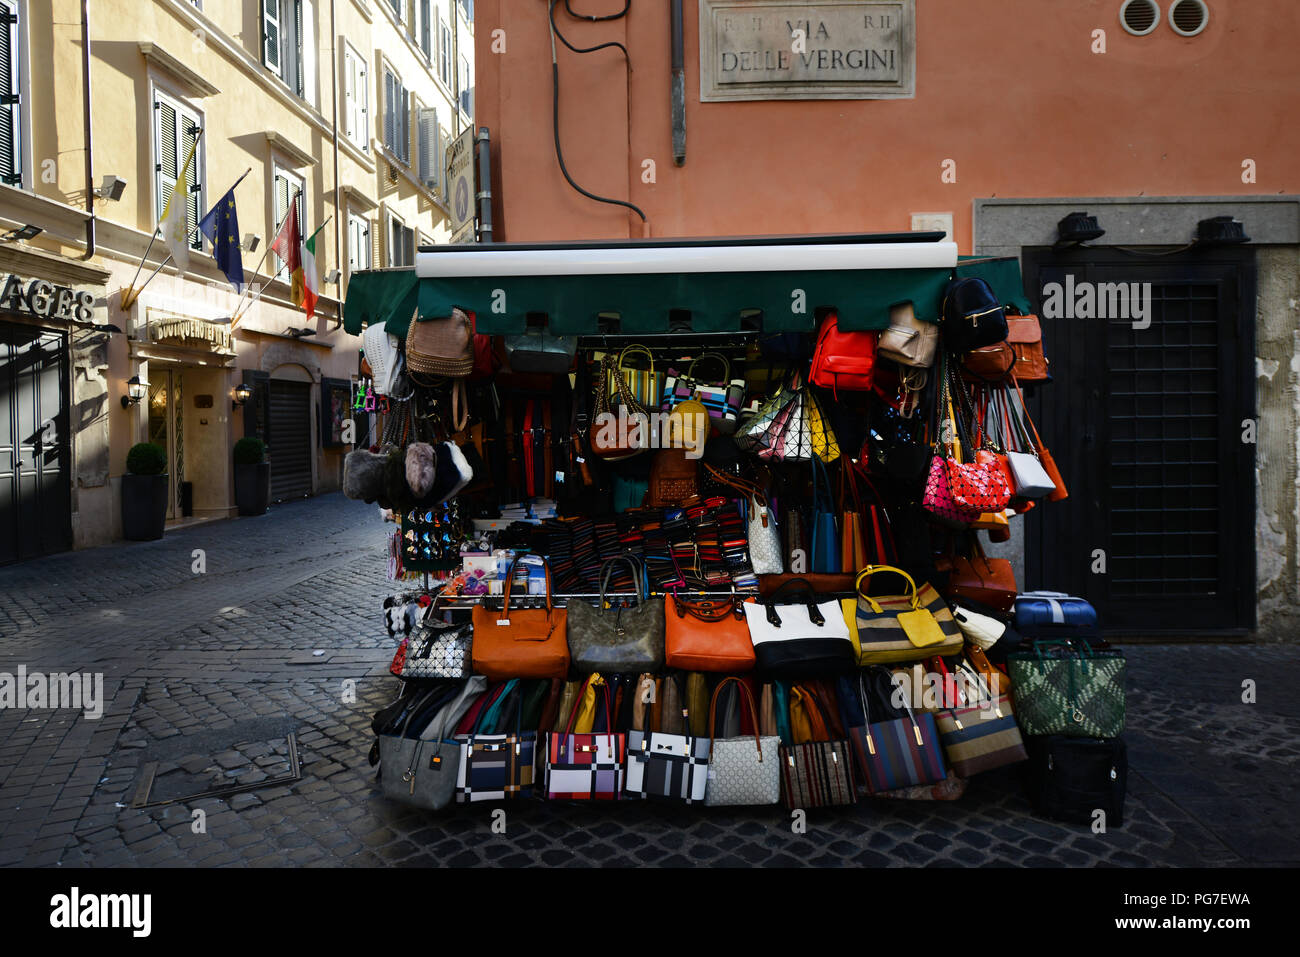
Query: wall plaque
(834,50)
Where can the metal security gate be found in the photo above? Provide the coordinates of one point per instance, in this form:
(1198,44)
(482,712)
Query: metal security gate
(1147,426)
(35,454)
(289,439)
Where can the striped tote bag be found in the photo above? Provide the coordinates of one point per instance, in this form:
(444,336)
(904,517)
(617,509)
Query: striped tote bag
(899,752)
(816,773)
(586,767)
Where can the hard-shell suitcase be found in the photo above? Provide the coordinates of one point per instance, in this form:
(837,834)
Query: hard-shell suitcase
(1070,779)
(1054,614)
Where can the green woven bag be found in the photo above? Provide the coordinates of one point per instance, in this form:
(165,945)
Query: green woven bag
(1059,689)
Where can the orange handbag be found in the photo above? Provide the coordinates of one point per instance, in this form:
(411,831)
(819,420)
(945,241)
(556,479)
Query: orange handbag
(528,643)
(999,683)
(707,635)
(979,578)
(1025,336)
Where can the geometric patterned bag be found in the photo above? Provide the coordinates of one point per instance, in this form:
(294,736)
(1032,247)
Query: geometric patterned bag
(496,767)
(438,649)
(744,770)
(1061,690)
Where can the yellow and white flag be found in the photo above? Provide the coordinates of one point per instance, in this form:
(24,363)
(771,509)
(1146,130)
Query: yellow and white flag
(175,223)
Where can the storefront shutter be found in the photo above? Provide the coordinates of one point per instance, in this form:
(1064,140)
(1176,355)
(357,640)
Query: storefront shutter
(10,140)
(290,440)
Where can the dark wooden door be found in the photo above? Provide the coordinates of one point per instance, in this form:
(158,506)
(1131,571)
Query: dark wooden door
(1146,426)
(35,450)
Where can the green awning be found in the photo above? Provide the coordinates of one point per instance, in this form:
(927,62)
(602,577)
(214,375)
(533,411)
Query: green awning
(644,301)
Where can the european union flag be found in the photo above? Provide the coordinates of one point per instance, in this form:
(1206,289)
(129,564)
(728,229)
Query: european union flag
(221,226)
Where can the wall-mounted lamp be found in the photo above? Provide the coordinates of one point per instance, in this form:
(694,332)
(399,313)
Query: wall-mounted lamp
(1078,228)
(243,392)
(1220,231)
(111,188)
(251,242)
(135,391)
(23,232)
(333,276)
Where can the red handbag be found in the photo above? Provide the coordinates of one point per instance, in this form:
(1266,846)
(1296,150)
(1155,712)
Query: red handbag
(843,360)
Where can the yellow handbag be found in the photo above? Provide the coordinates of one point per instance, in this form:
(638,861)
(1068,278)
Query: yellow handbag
(824,444)
(687,426)
(586,717)
(850,608)
(906,627)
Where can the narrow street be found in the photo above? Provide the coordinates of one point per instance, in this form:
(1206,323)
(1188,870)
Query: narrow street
(206,671)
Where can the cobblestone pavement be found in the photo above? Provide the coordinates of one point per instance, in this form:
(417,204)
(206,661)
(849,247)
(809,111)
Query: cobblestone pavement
(205,672)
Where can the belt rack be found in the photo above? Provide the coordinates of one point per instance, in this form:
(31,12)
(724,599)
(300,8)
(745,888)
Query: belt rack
(560,599)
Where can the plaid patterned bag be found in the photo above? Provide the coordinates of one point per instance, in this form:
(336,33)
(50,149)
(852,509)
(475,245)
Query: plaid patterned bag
(586,767)
(667,767)
(816,773)
(1061,690)
(497,767)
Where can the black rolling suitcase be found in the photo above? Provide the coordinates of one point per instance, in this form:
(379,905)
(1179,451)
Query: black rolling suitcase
(1070,778)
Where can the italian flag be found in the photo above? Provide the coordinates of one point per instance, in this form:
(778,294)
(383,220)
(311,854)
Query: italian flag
(300,258)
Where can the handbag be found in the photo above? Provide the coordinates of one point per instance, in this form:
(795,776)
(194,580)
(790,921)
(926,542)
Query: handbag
(972,316)
(895,748)
(1028,476)
(707,635)
(903,628)
(674,479)
(667,767)
(617,640)
(990,581)
(908,341)
(438,649)
(843,360)
(1025,336)
(758,431)
(723,397)
(998,683)
(531,643)
(801,638)
(622,434)
(586,767)
(1017,401)
(539,351)
(1068,689)
(826,545)
(644,385)
(959,493)
(441,346)
(422,771)
(981,735)
(744,770)
(762,535)
(497,767)
(816,773)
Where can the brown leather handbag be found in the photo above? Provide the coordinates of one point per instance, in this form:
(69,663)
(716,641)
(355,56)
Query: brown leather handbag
(707,635)
(528,643)
(979,578)
(1025,337)
(441,346)
(674,478)
(990,363)
(614,436)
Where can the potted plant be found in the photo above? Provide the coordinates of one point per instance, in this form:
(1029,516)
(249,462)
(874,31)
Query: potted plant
(144,493)
(252,476)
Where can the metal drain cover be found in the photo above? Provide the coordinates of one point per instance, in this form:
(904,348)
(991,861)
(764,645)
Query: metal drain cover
(184,773)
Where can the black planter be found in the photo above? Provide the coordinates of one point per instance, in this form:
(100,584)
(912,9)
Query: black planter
(253,488)
(144,507)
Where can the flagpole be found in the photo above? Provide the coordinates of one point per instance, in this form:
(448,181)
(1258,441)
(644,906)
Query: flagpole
(237,315)
(127,298)
(252,302)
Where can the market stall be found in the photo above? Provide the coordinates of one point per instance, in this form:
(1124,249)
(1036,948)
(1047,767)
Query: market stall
(700,521)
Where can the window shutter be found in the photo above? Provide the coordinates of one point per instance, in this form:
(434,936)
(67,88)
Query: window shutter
(271,35)
(10,136)
(349,95)
(427,134)
(426,28)
(193,185)
(404,113)
(409,259)
(390,111)
(167,165)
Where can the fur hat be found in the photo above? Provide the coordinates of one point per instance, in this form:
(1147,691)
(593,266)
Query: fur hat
(421,461)
(453,472)
(363,475)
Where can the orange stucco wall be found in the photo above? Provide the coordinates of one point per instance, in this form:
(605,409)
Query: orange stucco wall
(1009,89)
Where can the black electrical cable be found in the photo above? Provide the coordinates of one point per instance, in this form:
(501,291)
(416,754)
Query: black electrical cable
(555,107)
(627,5)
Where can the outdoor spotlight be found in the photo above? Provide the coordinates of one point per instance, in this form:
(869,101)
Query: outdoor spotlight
(243,392)
(251,242)
(299,333)
(111,188)
(135,391)
(1078,228)
(24,232)
(1220,231)
(333,276)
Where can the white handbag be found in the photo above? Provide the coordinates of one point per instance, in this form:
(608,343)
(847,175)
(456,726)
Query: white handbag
(764,541)
(978,629)
(1032,480)
(744,770)
(799,638)
(380,349)
(908,341)
(666,767)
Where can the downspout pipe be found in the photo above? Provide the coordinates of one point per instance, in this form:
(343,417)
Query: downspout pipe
(90,134)
(338,189)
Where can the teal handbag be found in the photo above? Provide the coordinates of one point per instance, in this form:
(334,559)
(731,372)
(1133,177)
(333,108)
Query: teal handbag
(629,493)
(1061,688)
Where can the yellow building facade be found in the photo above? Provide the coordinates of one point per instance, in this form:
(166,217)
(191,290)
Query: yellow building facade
(346,105)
